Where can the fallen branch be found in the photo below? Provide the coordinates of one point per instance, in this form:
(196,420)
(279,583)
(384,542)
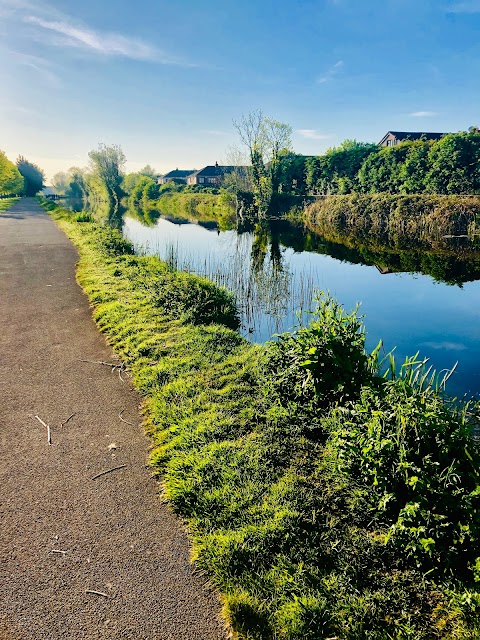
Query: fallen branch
(67,420)
(123,419)
(49,435)
(104,473)
(97,593)
(57,551)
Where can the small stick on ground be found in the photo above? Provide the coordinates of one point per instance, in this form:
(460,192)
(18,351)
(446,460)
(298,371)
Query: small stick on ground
(67,420)
(57,551)
(123,419)
(104,473)
(49,435)
(97,593)
(113,365)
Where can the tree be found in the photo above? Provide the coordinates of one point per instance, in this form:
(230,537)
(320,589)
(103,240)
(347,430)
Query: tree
(149,171)
(32,175)
(78,185)
(11,181)
(107,164)
(61,182)
(265,140)
(454,163)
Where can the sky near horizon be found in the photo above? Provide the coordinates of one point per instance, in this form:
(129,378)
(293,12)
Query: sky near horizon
(165,80)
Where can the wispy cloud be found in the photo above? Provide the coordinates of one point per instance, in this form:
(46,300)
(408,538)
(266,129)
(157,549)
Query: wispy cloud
(423,114)
(331,72)
(313,134)
(52,27)
(468,6)
(100,43)
(215,132)
(40,65)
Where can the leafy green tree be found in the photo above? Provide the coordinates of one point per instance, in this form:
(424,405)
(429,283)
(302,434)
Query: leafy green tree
(413,172)
(454,163)
(337,170)
(381,172)
(33,176)
(266,141)
(11,181)
(106,164)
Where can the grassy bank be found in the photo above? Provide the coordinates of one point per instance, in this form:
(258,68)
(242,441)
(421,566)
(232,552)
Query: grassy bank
(208,205)
(6,203)
(399,221)
(323,500)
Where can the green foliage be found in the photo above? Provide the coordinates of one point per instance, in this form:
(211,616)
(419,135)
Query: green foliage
(11,181)
(106,164)
(300,534)
(320,365)
(33,176)
(6,203)
(447,166)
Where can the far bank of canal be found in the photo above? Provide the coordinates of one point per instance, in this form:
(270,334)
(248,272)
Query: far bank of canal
(410,312)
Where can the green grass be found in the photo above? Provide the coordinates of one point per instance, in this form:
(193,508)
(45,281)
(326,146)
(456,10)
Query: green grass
(322,499)
(6,203)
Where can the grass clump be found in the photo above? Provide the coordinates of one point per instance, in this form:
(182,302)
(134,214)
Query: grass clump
(6,203)
(324,500)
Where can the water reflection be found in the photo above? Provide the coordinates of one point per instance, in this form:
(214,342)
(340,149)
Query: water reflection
(274,269)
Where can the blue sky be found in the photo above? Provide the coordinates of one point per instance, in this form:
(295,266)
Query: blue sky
(165,79)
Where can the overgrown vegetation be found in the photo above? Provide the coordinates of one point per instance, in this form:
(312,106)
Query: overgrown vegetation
(397,221)
(11,180)
(324,500)
(6,203)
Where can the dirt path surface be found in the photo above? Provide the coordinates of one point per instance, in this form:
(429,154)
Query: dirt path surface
(62,533)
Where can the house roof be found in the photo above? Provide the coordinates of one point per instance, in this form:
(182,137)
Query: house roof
(413,135)
(212,171)
(178,173)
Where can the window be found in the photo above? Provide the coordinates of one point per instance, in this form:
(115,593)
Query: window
(201,180)
(389,143)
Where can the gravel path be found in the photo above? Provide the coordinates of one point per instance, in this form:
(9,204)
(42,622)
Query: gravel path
(62,533)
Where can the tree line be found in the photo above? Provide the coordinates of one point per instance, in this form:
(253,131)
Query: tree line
(449,166)
(20,178)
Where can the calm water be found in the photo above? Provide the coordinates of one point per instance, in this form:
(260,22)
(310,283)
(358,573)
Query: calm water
(274,275)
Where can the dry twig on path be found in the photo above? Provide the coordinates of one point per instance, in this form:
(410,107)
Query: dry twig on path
(104,473)
(67,420)
(57,551)
(49,435)
(97,593)
(123,419)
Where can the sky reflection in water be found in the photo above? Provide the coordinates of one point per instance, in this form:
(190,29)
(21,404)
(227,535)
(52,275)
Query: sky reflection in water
(410,312)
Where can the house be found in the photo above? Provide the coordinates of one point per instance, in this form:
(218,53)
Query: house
(211,175)
(392,138)
(176,174)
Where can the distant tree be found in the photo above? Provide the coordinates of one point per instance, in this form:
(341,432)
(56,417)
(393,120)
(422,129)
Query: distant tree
(78,185)
(11,180)
(413,171)
(106,164)
(453,164)
(381,172)
(33,176)
(61,182)
(149,171)
(265,139)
